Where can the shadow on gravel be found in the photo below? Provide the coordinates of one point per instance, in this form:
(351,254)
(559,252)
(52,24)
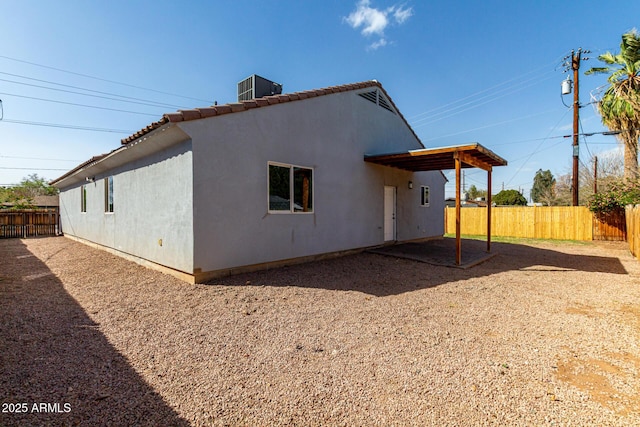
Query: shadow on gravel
(54,359)
(383,275)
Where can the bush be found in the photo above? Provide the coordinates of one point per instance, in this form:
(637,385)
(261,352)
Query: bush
(509,197)
(616,197)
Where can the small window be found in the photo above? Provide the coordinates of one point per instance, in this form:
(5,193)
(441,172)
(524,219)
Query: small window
(83,198)
(108,194)
(424,195)
(290,188)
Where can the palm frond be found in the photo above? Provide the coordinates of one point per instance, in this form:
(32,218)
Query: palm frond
(607,58)
(598,70)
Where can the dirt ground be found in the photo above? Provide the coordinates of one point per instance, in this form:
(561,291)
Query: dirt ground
(540,334)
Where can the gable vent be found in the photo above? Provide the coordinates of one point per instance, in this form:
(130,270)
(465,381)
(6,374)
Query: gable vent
(377,98)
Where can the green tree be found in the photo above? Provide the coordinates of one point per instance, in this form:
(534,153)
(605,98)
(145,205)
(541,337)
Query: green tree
(620,103)
(509,197)
(474,193)
(22,195)
(543,190)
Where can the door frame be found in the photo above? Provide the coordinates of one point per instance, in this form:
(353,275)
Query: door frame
(390,214)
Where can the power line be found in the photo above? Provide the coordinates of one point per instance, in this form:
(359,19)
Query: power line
(517,78)
(78,105)
(34,169)
(584,138)
(39,158)
(141,102)
(103,80)
(511,90)
(490,125)
(63,126)
(535,150)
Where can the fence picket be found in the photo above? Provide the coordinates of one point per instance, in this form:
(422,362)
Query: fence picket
(24,223)
(540,222)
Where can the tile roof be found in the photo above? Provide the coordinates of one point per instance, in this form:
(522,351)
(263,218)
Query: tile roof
(89,162)
(217,110)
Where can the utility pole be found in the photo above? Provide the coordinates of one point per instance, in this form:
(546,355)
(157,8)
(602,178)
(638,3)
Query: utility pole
(574,65)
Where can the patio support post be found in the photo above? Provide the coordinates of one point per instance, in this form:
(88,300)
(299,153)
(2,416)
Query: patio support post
(489,210)
(458,246)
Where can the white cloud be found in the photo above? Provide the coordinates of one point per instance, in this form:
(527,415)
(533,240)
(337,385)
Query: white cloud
(374,21)
(377,44)
(402,14)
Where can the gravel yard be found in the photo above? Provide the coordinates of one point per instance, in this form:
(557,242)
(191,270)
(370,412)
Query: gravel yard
(541,334)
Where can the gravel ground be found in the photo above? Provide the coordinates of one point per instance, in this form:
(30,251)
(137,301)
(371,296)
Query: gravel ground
(541,334)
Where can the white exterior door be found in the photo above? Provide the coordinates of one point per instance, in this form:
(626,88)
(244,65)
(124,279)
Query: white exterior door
(389,213)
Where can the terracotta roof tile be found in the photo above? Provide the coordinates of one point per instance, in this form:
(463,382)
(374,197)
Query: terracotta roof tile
(250,104)
(236,107)
(208,112)
(190,114)
(80,166)
(223,109)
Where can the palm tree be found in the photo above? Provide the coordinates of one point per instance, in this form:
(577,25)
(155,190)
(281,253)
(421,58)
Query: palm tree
(620,103)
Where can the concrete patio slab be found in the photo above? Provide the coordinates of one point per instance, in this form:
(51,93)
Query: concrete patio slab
(440,252)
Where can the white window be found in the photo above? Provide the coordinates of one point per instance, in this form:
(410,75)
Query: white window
(290,188)
(424,195)
(83,198)
(108,194)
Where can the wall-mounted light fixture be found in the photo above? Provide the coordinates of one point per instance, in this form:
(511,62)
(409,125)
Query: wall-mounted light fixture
(90,178)
(410,185)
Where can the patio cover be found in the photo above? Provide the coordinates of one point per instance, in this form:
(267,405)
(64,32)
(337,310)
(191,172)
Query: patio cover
(443,158)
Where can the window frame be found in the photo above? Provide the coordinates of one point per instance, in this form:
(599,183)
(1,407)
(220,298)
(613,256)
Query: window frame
(422,198)
(291,168)
(83,198)
(108,195)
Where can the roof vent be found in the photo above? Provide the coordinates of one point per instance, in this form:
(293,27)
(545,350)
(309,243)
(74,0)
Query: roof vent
(255,86)
(378,98)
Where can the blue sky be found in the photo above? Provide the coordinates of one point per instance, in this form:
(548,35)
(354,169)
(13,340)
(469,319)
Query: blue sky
(459,71)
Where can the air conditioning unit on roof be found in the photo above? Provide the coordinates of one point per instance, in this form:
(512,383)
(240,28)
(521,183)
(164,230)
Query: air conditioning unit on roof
(255,86)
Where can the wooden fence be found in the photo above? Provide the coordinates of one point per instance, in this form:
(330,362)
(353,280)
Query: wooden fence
(555,222)
(610,226)
(633,229)
(28,223)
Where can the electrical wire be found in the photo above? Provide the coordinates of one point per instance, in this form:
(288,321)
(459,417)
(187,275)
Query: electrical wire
(536,149)
(492,98)
(584,137)
(490,125)
(88,94)
(518,78)
(64,126)
(78,105)
(34,169)
(103,80)
(38,158)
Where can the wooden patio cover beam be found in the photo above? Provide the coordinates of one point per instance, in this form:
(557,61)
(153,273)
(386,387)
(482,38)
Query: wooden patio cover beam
(456,157)
(472,155)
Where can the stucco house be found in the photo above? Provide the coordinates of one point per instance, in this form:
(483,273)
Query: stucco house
(268,181)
